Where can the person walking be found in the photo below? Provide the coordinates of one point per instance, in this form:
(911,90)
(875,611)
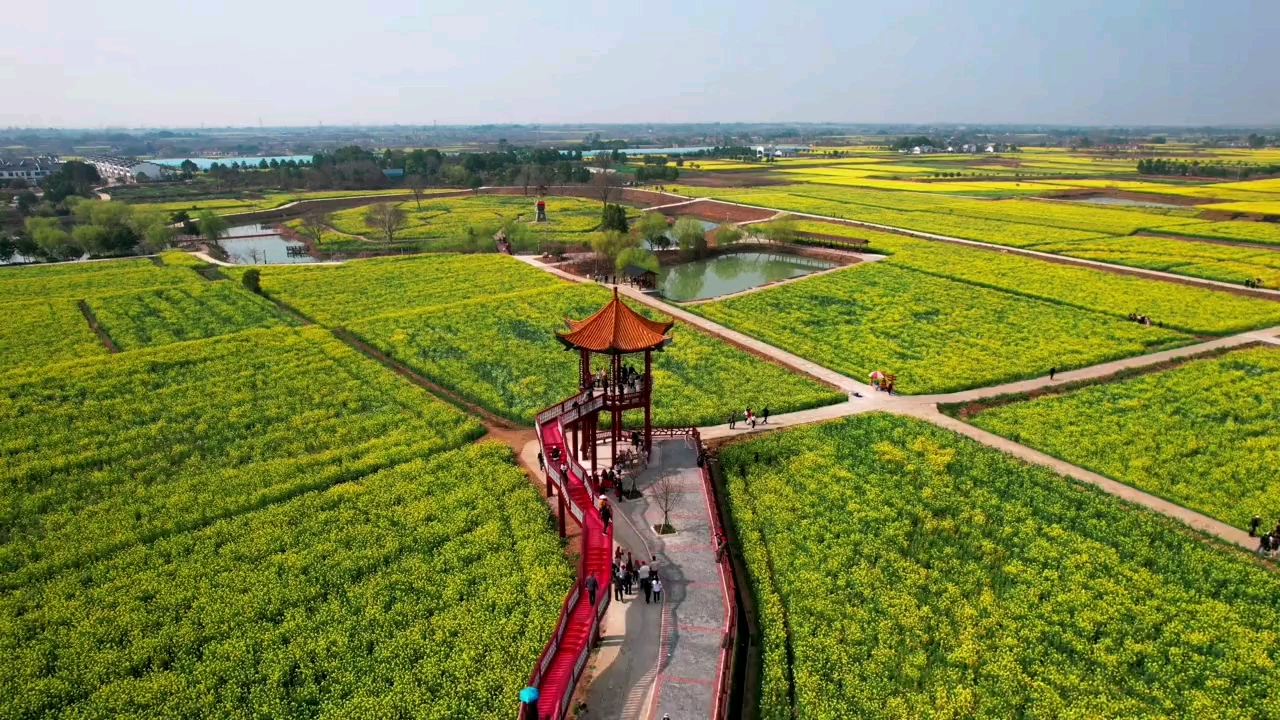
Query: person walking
(1254,524)
(643,573)
(733,420)
(765,415)
(592,586)
(617,584)
(1053,371)
(606,515)
(542,463)
(657,590)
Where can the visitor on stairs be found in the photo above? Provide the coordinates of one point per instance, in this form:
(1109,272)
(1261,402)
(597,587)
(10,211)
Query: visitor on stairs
(606,515)
(592,586)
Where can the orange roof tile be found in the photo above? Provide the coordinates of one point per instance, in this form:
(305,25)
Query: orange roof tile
(616,328)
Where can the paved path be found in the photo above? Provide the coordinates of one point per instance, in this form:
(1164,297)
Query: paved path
(657,659)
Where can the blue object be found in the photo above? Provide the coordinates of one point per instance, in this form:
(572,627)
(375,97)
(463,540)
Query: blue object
(529,695)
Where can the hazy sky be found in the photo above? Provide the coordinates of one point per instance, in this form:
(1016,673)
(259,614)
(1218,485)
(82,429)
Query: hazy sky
(232,62)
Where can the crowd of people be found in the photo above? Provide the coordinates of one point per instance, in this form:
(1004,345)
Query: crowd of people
(1143,320)
(749,418)
(1268,543)
(629,575)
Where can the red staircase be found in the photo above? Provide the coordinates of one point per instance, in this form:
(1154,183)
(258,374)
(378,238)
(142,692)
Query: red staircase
(560,666)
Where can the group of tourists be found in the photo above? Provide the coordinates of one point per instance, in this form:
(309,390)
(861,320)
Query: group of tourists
(627,575)
(749,418)
(1268,543)
(1143,320)
(1255,283)
(628,381)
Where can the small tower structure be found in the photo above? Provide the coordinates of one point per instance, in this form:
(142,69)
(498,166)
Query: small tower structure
(614,331)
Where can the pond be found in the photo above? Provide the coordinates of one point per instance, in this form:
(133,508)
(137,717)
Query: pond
(204,163)
(1126,202)
(727,274)
(262,245)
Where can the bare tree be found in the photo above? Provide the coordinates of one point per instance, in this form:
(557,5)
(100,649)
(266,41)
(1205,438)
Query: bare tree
(386,218)
(666,493)
(314,224)
(526,176)
(605,184)
(417,184)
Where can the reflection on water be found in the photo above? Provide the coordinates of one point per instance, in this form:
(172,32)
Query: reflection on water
(260,245)
(707,226)
(733,273)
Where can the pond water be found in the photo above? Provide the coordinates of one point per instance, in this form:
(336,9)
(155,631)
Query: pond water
(726,274)
(261,245)
(1127,202)
(204,163)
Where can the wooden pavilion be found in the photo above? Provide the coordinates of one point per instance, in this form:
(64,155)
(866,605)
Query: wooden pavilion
(615,330)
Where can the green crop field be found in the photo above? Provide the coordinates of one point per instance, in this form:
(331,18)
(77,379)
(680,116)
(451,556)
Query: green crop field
(338,294)
(1202,435)
(1236,230)
(425,590)
(106,453)
(79,280)
(183,312)
(44,331)
(443,224)
(902,571)
(936,334)
(503,355)
(1189,309)
(268,201)
(1212,261)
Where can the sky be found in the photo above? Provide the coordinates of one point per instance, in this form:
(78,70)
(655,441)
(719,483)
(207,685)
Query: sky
(156,63)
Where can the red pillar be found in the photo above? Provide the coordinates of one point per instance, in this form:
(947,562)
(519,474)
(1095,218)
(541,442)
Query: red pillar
(562,532)
(648,403)
(592,425)
(615,430)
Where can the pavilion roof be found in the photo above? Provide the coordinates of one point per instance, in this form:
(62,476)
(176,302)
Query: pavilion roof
(616,328)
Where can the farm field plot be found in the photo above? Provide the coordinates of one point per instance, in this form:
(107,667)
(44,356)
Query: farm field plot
(183,312)
(79,280)
(1240,230)
(919,574)
(959,187)
(1212,261)
(1202,435)
(443,224)
(335,295)
(934,333)
(45,331)
(1265,207)
(1184,308)
(424,590)
(106,453)
(268,201)
(502,354)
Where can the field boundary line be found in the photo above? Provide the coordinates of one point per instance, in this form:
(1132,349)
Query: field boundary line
(96,327)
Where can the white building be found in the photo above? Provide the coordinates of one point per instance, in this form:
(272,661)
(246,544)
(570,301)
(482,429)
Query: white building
(123,170)
(33,170)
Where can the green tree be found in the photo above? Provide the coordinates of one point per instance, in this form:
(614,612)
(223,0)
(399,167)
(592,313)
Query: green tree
(212,226)
(614,217)
(610,244)
(638,257)
(782,231)
(93,238)
(652,227)
(51,239)
(727,234)
(691,237)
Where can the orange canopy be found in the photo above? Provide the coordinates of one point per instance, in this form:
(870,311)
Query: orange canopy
(616,328)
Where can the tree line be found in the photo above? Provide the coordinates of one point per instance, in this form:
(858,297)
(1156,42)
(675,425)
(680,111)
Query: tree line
(1214,169)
